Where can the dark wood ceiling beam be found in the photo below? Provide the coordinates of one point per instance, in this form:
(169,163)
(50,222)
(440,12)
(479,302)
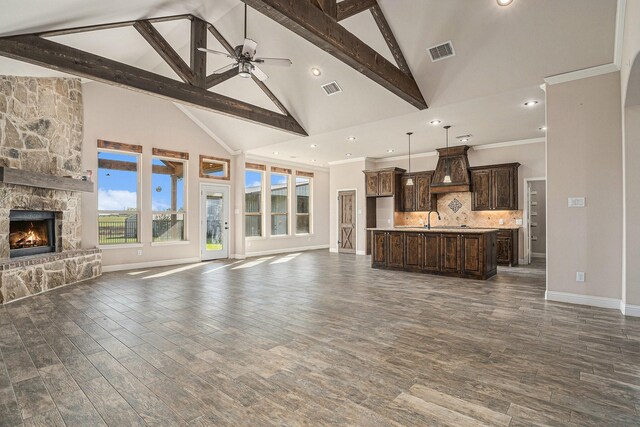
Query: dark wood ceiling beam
(46,53)
(329,7)
(394,47)
(227,46)
(160,45)
(306,20)
(270,94)
(198,58)
(108,26)
(216,79)
(348,8)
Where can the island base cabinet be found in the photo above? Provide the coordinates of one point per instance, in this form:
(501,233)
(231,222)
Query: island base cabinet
(451,254)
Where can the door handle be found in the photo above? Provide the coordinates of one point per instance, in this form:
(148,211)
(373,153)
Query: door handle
(226,228)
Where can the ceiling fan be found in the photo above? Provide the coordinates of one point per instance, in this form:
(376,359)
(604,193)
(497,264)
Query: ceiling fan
(245,59)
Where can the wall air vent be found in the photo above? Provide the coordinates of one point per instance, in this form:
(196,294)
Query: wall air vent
(332,88)
(441,52)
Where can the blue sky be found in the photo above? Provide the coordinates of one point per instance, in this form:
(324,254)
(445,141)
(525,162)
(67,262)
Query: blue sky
(117,191)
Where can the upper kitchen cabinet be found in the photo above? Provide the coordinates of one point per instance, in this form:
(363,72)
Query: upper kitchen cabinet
(417,197)
(383,182)
(494,187)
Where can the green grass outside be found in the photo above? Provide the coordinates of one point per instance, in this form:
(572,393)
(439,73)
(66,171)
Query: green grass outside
(214,246)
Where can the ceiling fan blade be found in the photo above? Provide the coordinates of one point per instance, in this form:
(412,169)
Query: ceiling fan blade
(225,68)
(215,52)
(249,48)
(278,62)
(260,75)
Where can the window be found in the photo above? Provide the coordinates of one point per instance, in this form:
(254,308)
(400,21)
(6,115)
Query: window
(168,200)
(279,204)
(118,213)
(253,203)
(303,205)
(214,168)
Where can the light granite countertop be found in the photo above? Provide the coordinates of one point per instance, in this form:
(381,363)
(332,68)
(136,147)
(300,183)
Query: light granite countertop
(436,230)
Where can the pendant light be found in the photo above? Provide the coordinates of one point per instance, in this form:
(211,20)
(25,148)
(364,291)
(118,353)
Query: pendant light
(410,180)
(447,173)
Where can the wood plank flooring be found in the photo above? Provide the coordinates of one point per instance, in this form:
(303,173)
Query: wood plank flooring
(314,339)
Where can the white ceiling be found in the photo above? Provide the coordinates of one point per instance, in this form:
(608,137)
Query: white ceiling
(502,56)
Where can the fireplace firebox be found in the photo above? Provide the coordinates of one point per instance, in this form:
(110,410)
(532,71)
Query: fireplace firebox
(31,232)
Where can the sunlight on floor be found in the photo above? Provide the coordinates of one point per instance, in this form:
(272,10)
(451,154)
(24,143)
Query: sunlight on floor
(253,263)
(286,258)
(135,273)
(177,270)
(220,268)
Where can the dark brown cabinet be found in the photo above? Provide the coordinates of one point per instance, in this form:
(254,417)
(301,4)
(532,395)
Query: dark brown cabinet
(383,182)
(417,197)
(507,247)
(494,187)
(451,254)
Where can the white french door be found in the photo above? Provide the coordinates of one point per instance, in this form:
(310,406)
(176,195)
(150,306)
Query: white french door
(214,222)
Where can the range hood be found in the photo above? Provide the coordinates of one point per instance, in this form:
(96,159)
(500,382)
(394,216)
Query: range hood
(453,159)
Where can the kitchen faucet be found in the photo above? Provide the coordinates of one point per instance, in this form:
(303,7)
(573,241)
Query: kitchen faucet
(429,218)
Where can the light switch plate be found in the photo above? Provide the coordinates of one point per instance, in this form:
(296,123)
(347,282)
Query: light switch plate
(359,211)
(580,276)
(518,222)
(577,202)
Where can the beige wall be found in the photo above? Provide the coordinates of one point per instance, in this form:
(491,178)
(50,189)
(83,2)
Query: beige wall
(530,156)
(319,238)
(631,146)
(125,116)
(585,160)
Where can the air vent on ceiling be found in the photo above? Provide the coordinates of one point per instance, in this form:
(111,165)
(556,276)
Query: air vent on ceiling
(332,88)
(441,52)
(463,136)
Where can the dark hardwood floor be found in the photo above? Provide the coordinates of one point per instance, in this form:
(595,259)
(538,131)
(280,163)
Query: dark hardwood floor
(314,339)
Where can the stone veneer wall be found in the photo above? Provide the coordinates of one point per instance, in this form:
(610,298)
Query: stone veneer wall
(41,131)
(41,122)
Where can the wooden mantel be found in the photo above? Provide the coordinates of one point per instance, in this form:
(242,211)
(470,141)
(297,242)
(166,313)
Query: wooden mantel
(43,180)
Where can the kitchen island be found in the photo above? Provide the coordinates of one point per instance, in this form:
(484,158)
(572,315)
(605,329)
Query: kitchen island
(456,252)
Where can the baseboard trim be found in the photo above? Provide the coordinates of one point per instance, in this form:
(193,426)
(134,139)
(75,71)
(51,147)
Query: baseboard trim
(238,256)
(149,264)
(538,255)
(601,302)
(630,310)
(286,251)
(361,252)
(333,250)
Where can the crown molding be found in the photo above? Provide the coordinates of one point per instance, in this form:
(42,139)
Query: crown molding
(509,143)
(346,161)
(406,157)
(277,161)
(206,129)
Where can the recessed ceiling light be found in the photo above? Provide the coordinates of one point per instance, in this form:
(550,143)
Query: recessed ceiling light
(348,154)
(435,122)
(530,103)
(543,128)
(389,150)
(504,2)
(351,138)
(316,72)
(313,160)
(276,152)
(313,145)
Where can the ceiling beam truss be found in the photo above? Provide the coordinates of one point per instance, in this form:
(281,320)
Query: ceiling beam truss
(46,53)
(389,38)
(35,49)
(311,23)
(348,8)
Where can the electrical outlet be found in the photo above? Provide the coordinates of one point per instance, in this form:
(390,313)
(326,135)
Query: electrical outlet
(518,221)
(501,222)
(139,252)
(389,221)
(580,276)
(576,202)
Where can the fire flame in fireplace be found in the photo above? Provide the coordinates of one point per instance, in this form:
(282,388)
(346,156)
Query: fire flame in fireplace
(29,237)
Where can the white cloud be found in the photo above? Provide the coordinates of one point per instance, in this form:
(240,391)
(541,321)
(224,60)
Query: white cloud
(116,200)
(159,206)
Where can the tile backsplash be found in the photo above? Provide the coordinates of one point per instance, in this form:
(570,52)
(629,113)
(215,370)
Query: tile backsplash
(455,210)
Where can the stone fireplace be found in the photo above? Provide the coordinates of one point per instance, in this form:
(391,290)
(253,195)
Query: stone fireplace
(41,123)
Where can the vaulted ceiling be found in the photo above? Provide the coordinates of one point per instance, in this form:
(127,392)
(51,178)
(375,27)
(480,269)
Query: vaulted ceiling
(502,56)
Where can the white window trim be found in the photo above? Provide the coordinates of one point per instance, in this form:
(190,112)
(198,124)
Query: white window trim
(185,202)
(138,211)
(263,205)
(288,213)
(310,233)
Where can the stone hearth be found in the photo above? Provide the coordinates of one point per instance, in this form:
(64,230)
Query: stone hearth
(41,125)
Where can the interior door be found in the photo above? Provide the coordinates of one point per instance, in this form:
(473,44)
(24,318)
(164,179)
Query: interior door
(214,234)
(347,222)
